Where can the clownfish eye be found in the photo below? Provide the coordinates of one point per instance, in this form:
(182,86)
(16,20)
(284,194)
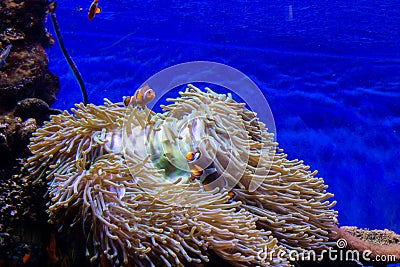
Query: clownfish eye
(150,94)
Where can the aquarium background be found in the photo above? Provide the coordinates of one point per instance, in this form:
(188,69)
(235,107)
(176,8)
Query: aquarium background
(330,71)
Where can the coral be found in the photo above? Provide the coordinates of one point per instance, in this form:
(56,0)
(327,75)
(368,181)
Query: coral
(15,135)
(378,237)
(27,88)
(19,200)
(11,34)
(378,242)
(101,172)
(25,73)
(24,20)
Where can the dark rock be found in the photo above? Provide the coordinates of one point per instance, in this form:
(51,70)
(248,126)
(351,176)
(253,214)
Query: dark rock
(11,34)
(22,75)
(27,88)
(24,134)
(27,17)
(8,129)
(32,108)
(25,73)
(48,89)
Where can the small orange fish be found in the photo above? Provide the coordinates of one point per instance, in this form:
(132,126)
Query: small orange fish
(232,196)
(142,96)
(26,258)
(192,156)
(208,177)
(93,9)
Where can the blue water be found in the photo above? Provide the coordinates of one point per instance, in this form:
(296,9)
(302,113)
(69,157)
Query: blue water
(330,72)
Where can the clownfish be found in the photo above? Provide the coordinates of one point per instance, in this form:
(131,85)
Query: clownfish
(142,96)
(93,9)
(206,175)
(192,156)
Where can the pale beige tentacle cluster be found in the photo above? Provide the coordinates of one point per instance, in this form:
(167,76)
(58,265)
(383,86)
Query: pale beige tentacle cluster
(290,201)
(99,175)
(167,224)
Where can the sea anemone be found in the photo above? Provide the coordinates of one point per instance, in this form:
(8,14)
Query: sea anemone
(121,172)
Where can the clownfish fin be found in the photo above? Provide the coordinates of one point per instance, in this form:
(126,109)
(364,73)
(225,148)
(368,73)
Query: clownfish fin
(98,10)
(137,97)
(127,101)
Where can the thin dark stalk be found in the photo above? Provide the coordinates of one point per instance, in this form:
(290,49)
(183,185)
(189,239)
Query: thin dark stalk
(71,63)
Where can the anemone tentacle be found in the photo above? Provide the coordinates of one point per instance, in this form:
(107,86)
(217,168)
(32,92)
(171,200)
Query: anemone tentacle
(121,172)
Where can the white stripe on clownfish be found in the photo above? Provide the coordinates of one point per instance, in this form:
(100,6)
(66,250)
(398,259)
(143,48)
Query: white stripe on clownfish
(142,96)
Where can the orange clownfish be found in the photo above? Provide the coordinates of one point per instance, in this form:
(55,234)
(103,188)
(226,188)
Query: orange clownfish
(93,9)
(206,175)
(142,96)
(192,156)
